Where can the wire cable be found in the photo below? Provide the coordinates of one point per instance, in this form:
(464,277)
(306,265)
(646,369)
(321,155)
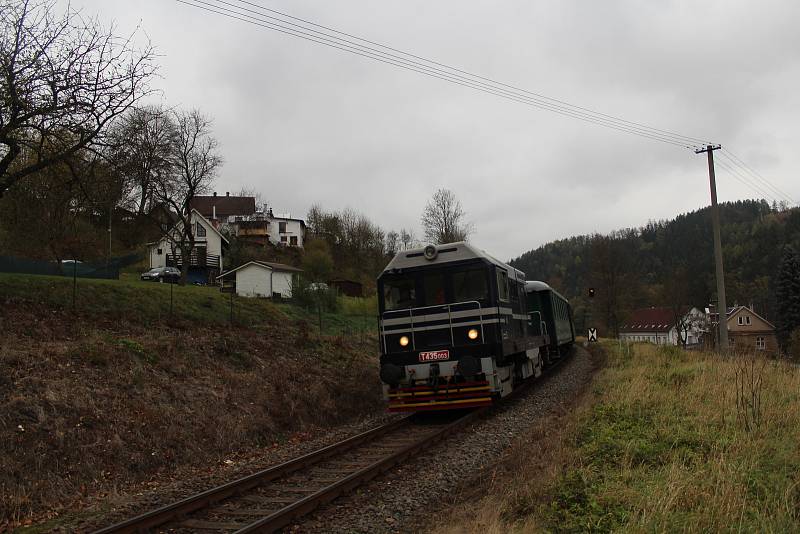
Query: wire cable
(748,183)
(264,17)
(736,161)
(416,68)
(347,46)
(432,62)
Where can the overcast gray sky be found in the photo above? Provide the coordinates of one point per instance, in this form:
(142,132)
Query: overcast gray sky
(303,123)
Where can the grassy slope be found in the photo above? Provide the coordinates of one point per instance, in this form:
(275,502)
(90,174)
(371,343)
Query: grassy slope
(117,390)
(663,443)
(148,303)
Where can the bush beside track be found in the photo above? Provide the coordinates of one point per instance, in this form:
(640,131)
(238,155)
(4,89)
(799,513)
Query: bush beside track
(665,440)
(117,391)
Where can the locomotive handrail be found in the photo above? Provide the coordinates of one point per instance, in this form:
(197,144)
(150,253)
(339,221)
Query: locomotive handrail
(411,311)
(542,324)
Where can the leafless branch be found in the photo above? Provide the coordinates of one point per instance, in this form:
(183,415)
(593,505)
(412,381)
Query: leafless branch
(63,79)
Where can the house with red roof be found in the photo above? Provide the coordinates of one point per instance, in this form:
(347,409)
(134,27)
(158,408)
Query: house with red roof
(665,326)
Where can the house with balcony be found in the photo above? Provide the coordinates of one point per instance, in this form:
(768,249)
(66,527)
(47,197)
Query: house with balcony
(205,261)
(255,224)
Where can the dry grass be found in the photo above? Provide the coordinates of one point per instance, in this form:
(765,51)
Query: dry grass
(88,410)
(665,441)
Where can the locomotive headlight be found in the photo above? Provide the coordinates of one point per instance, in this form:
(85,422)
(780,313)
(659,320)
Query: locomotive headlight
(403,341)
(472,334)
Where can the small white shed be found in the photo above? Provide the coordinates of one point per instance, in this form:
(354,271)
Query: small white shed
(262,279)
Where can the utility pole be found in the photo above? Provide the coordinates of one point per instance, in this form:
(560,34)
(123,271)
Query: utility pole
(722,306)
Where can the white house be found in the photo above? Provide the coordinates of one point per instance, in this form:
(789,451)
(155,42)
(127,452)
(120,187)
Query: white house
(283,230)
(205,263)
(659,326)
(262,279)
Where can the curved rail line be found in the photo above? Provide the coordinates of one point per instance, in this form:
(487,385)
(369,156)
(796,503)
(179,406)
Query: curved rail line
(278,495)
(272,498)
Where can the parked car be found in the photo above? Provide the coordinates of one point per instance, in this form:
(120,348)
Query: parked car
(162,274)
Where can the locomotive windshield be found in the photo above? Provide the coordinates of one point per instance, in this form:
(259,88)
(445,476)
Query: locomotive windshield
(435,287)
(470,285)
(399,293)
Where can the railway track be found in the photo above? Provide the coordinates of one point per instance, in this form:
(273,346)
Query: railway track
(273,498)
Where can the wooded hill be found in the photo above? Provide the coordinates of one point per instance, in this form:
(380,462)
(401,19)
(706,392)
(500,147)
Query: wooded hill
(669,263)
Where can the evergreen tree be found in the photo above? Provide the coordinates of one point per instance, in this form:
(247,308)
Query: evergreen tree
(787,293)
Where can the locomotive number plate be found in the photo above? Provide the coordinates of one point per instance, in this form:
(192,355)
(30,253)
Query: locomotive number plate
(434,356)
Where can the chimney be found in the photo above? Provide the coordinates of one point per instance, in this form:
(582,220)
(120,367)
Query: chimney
(227,193)
(215,193)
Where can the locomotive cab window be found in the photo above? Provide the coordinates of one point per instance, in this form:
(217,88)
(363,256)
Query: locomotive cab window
(470,285)
(434,289)
(502,285)
(399,293)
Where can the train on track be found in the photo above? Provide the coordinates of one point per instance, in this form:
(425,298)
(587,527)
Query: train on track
(460,329)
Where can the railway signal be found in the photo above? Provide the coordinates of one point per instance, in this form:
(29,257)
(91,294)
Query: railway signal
(591,292)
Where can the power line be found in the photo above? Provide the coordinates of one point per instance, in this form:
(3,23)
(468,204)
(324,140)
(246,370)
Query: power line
(436,74)
(377,55)
(744,180)
(756,176)
(538,95)
(264,17)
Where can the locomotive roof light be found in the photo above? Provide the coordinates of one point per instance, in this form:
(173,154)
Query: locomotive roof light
(472,334)
(430,252)
(403,341)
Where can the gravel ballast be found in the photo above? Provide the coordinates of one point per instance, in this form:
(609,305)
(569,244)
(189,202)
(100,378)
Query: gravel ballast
(407,498)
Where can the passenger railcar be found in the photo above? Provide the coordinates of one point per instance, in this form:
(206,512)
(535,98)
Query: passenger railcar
(455,329)
(551,316)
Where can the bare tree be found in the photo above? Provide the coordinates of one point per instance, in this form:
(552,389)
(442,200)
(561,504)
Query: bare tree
(392,242)
(194,165)
(142,142)
(251,192)
(443,219)
(62,80)
(407,238)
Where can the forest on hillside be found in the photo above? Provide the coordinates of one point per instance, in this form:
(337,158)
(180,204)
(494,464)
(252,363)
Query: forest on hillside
(669,263)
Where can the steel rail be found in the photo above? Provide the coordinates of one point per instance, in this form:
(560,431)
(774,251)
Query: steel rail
(285,516)
(209,497)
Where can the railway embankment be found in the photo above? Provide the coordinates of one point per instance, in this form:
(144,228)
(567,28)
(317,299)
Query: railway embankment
(663,440)
(120,393)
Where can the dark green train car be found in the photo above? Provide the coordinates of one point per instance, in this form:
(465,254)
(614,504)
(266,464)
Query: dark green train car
(551,315)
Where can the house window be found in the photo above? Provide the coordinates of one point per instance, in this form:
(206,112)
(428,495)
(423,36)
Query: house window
(293,240)
(282,227)
(201,230)
(746,319)
(159,251)
(741,320)
(283,239)
(761,343)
